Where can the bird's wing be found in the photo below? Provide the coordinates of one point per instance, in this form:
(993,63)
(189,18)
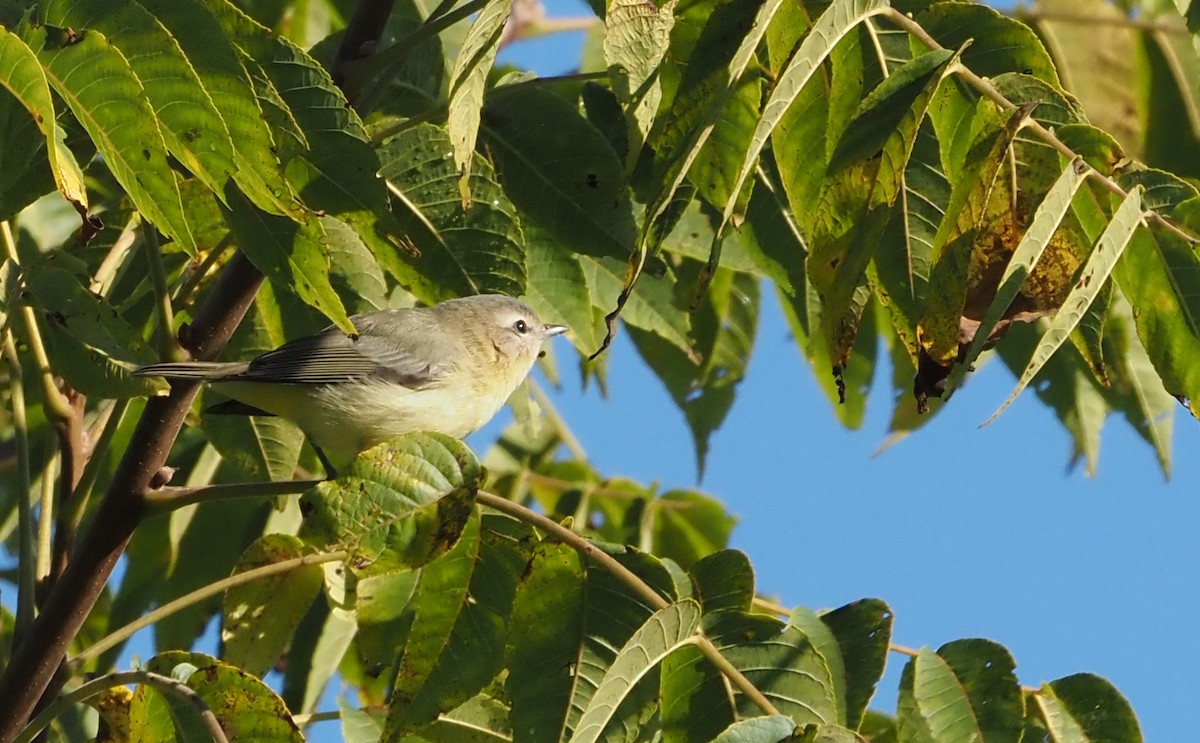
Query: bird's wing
(331,356)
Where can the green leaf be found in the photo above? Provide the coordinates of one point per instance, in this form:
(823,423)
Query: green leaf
(933,706)
(868,170)
(561,172)
(688,525)
(723,52)
(88,342)
(724,580)
(899,101)
(292,256)
(398,505)
(769,729)
(544,642)
(260,446)
(467,84)
(695,703)
(863,630)
(723,326)
(460,610)
(838,20)
(1096,271)
(1091,57)
(383,616)
(651,307)
(557,289)
(998,44)
(664,631)
(99,87)
(331,164)
(358,726)
(845,387)
(1096,708)
(22,75)
(779,660)
(192,128)
(226,81)
(636,37)
(827,646)
(480,719)
(465,250)
(1152,409)
(261,616)
(240,701)
(1067,387)
(986,673)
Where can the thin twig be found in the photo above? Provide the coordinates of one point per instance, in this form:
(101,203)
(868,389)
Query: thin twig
(201,594)
(165,500)
(630,579)
(113,680)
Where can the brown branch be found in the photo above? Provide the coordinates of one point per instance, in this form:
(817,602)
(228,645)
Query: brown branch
(34,662)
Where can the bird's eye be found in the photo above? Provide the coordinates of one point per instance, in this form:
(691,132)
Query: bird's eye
(521,327)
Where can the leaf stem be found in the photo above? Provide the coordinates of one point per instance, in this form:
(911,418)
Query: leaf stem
(636,584)
(165,500)
(201,594)
(113,680)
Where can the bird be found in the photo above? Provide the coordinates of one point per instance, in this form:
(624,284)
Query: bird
(447,368)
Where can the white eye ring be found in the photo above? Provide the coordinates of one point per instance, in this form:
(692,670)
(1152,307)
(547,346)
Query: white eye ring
(521,327)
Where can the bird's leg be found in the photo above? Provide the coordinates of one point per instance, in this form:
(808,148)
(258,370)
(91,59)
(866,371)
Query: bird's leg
(330,470)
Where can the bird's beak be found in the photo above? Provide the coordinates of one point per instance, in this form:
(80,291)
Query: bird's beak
(552,330)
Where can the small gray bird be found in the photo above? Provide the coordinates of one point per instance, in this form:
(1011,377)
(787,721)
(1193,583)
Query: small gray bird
(447,368)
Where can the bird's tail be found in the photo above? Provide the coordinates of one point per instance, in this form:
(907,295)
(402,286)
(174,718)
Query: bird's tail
(196,370)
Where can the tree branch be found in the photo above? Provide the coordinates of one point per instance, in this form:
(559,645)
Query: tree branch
(165,500)
(34,661)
